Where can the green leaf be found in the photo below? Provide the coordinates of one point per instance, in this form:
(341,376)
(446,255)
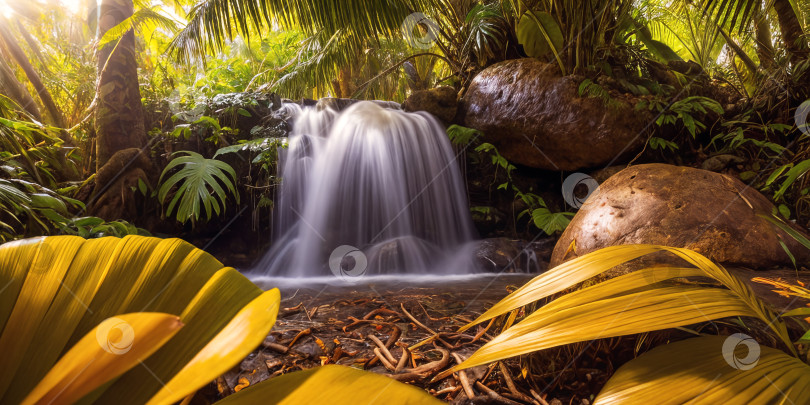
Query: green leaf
(539,34)
(142,186)
(253,145)
(793,174)
(550,222)
(462,135)
(197,186)
(784,211)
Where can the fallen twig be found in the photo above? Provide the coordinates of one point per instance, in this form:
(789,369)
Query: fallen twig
(511,384)
(304,332)
(383,360)
(494,395)
(383,349)
(462,377)
(414,320)
(276,347)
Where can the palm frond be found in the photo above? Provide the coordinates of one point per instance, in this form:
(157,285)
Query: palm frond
(140,18)
(213,21)
(637,302)
(709,370)
(199,185)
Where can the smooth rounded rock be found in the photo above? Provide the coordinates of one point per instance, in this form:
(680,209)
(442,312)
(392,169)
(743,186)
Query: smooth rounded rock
(535,117)
(711,213)
(441,102)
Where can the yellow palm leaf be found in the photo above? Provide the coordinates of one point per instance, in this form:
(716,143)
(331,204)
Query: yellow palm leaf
(707,370)
(564,276)
(106,352)
(637,302)
(57,289)
(334,385)
(245,331)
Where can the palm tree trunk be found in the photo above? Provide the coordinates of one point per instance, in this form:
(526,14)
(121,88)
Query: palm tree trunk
(17,53)
(119,112)
(32,44)
(10,86)
(791,30)
(345,85)
(747,61)
(763,37)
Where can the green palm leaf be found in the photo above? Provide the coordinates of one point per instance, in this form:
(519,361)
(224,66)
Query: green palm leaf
(213,21)
(199,186)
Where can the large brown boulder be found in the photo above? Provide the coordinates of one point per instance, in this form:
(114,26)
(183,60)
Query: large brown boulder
(535,117)
(441,102)
(711,213)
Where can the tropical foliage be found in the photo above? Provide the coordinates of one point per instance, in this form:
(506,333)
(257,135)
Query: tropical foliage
(722,78)
(71,333)
(199,184)
(651,299)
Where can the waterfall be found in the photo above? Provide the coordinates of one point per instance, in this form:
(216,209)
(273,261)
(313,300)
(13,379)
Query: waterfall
(370,190)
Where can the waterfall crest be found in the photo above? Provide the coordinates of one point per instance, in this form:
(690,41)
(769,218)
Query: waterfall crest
(370,189)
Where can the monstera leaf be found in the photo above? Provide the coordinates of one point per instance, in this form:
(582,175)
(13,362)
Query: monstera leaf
(142,320)
(539,34)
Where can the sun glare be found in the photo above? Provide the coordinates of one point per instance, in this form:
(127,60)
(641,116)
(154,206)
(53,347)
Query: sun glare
(5,10)
(72,6)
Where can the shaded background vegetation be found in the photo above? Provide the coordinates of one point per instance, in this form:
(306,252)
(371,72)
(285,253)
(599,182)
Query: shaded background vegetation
(723,79)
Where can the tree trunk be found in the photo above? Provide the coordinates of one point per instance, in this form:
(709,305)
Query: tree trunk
(10,86)
(747,61)
(791,30)
(17,53)
(32,44)
(764,43)
(346,87)
(119,112)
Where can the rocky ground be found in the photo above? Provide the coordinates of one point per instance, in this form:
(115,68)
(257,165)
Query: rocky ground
(408,330)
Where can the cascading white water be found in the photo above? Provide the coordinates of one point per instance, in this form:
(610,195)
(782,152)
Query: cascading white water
(382,180)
